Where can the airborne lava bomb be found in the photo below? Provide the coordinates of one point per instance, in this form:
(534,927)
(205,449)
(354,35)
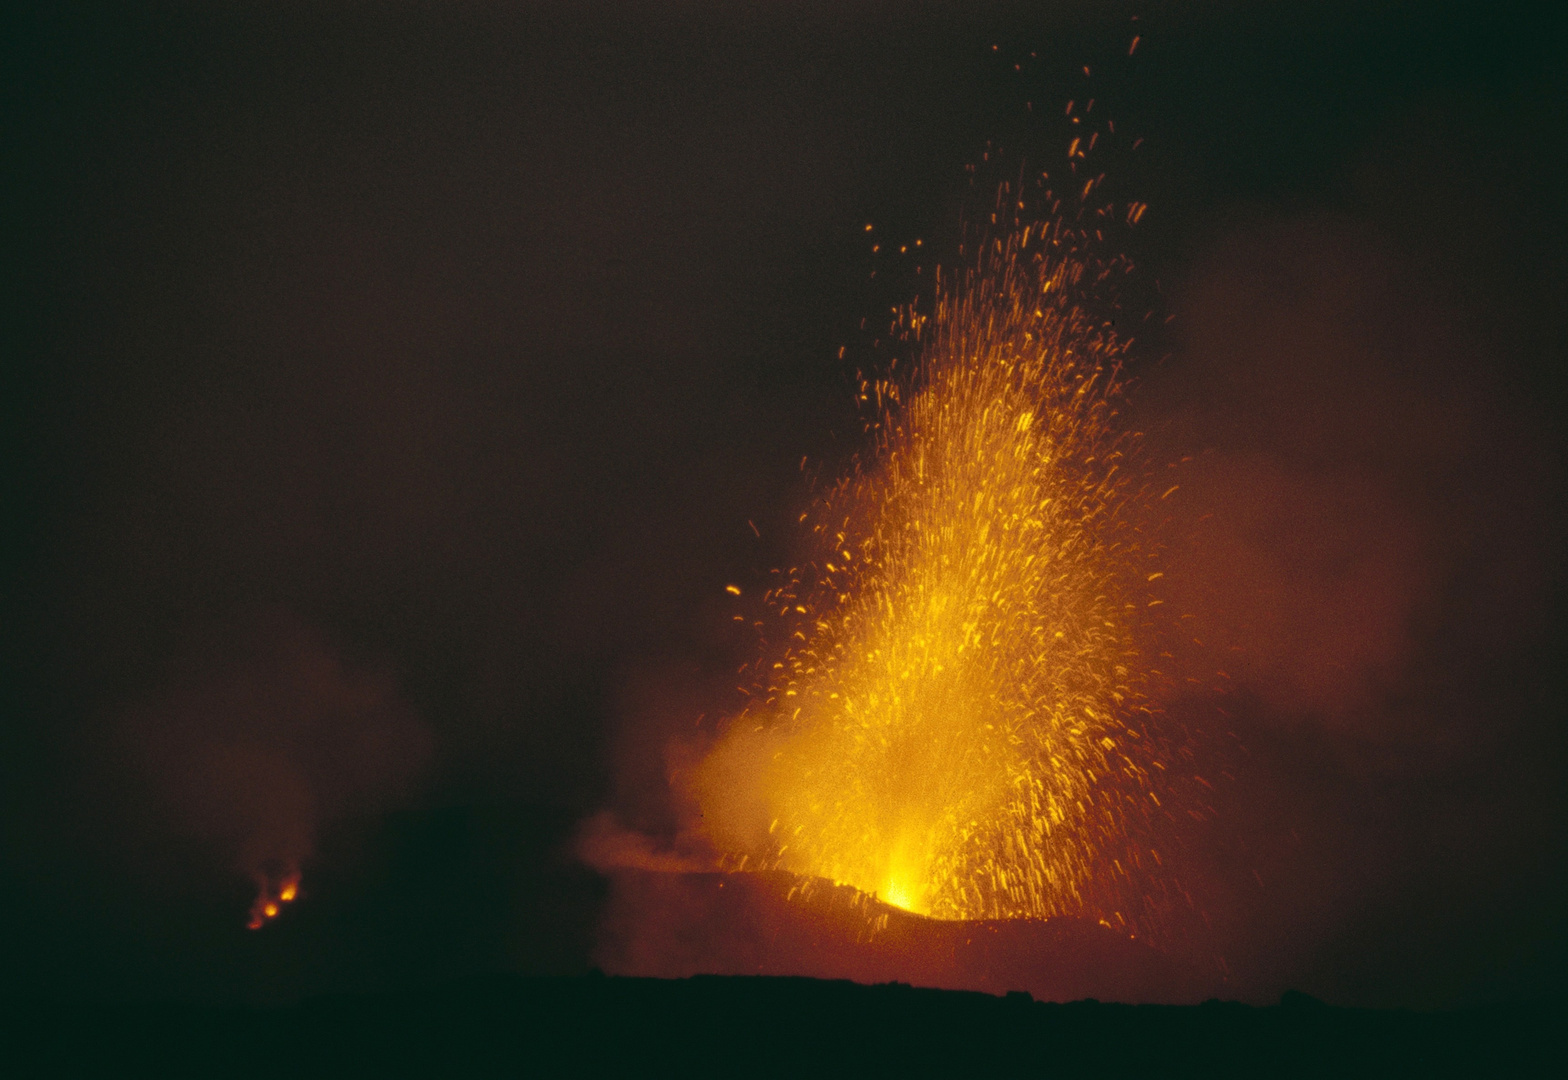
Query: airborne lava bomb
(958,716)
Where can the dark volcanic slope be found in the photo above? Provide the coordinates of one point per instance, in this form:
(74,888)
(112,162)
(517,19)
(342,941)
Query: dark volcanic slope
(672,925)
(770,1026)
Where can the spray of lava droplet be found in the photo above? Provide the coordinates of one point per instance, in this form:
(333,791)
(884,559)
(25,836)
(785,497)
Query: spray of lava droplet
(959,721)
(272,896)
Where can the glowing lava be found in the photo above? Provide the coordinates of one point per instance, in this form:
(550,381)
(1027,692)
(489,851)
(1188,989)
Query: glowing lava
(958,722)
(272,895)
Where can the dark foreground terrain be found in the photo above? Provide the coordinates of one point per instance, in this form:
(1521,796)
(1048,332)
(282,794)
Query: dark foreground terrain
(710,1025)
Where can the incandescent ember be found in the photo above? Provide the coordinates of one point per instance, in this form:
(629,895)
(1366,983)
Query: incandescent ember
(273,895)
(956,715)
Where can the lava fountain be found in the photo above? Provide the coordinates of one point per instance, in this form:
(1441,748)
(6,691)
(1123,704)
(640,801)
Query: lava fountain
(957,717)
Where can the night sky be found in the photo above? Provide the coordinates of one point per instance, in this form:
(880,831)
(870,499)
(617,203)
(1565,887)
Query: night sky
(390,391)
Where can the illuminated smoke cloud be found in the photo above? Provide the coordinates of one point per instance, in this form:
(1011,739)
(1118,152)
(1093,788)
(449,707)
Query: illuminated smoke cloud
(1354,465)
(1362,547)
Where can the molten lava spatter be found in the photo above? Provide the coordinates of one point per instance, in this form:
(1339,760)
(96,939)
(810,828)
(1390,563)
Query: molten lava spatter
(958,721)
(272,896)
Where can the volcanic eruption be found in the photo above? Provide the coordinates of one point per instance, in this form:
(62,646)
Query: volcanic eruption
(956,716)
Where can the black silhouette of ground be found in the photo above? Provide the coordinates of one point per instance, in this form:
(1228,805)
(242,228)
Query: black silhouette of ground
(720,1025)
